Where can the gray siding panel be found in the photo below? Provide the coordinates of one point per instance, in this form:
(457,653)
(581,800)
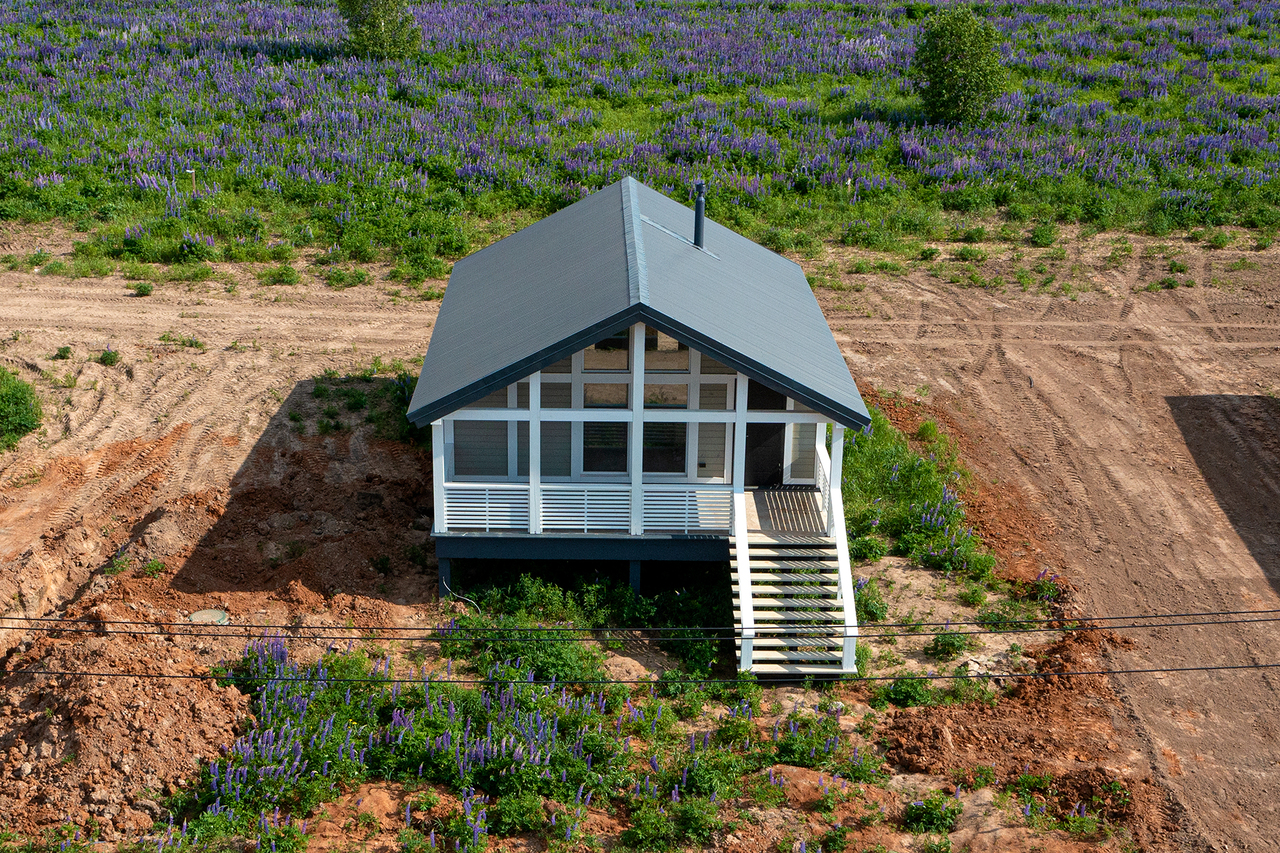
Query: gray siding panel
(480,448)
(803,454)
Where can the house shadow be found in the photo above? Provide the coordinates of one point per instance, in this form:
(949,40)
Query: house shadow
(335,497)
(1235,441)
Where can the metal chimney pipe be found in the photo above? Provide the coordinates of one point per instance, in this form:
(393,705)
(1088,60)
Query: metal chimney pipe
(699,212)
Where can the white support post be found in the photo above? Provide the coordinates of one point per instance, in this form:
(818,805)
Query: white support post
(437,476)
(838,531)
(535,453)
(741,543)
(637,429)
(835,525)
(740,434)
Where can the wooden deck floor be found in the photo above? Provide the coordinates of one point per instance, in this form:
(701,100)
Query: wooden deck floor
(784,511)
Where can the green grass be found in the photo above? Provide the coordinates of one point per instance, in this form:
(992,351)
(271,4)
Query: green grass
(20,409)
(912,500)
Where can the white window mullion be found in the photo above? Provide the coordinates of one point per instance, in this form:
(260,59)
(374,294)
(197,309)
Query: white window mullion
(575,431)
(695,402)
(636,445)
(788,459)
(535,453)
(513,435)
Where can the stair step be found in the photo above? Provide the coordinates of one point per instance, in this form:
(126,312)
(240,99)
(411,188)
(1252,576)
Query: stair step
(811,668)
(790,577)
(766,537)
(825,552)
(764,641)
(760,603)
(775,589)
(767,639)
(823,565)
(817,617)
(759,655)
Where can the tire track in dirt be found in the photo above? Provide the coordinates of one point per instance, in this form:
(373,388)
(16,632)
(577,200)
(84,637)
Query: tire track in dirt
(167,421)
(1136,487)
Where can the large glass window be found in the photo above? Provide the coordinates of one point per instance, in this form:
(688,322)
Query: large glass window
(612,353)
(604,447)
(605,395)
(664,448)
(666,396)
(663,353)
(762,398)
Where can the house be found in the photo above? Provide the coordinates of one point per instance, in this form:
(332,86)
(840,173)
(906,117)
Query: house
(627,380)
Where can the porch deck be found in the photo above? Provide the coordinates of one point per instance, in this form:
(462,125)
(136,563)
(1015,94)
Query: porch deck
(794,510)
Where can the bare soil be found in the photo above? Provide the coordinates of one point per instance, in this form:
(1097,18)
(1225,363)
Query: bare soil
(1125,439)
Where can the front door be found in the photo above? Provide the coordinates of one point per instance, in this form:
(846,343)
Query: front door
(764,455)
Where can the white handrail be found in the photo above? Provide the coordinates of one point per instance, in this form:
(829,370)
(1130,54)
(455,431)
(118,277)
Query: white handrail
(746,605)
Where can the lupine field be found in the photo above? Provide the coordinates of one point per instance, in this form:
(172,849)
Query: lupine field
(205,121)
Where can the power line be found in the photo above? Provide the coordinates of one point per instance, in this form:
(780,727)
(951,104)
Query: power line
(384,628)
(684,682)
(609,634)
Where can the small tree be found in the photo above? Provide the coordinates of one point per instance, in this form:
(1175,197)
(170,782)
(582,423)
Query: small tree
(380,29)
(956,65)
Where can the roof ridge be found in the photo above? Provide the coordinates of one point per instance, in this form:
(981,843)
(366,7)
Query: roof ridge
(637,269)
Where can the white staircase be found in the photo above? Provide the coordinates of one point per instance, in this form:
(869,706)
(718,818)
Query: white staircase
(794,593)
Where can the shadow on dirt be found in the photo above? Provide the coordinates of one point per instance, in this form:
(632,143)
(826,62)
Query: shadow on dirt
(1235,441)
(334,498)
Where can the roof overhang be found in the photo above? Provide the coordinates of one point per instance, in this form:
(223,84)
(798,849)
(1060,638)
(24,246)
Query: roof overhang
(850,416)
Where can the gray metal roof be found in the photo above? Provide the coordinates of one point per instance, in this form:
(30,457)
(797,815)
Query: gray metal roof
(621,256)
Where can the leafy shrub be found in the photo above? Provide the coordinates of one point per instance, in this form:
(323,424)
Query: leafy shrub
(516,813)
(189,272)
(956,66)
(947,645)
(696,819)
(380,29)
(973,595)
(340,279)
(870,548)
(281,275)
(909,692)
(807,741)
(651,828)
(865,767)
(1008,616)
(1043,235)
(109,357)
(488,640)
(935,813)
(970,253)
(20,410)
(930,253)
(869,603)
(142,288)
(62,354)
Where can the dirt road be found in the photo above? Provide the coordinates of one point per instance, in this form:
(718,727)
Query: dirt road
(1146,426)
(1142,424)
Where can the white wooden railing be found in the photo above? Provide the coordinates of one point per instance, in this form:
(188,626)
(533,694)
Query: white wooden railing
(588,508)
(683,508)
(822,468)
(486,506)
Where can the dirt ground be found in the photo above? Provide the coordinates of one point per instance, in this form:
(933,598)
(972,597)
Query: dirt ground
(1125,439)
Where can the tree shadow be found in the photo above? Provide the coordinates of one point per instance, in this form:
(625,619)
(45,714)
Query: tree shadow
(899,116)
(1235,441)
(335,497)
(274,50)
